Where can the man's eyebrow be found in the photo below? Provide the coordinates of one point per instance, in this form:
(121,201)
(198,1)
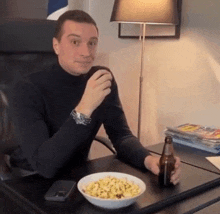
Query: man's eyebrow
(72,34)
(96,38)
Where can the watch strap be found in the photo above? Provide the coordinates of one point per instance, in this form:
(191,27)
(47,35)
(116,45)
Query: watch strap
(80,118)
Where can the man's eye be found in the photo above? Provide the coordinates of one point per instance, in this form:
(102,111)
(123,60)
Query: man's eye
(93,43)
(75,42)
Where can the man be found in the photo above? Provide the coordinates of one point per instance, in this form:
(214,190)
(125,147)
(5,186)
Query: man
(58,112)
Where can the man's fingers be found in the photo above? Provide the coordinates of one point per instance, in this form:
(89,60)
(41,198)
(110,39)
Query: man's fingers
(175,179)
(175,182)
(177,163)
(107,91)
(152,164)
(176,174)
(98,74)
(105,85)
(104,80)
(101,80)
(155,170)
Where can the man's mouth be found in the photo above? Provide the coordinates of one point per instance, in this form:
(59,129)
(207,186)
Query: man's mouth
(84,62)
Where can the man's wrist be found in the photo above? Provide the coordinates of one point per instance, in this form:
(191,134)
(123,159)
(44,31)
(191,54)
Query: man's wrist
(152,164)
(146,161)
(84,111)
(80,118)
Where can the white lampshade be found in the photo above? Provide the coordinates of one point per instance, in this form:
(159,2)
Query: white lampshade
(153,12)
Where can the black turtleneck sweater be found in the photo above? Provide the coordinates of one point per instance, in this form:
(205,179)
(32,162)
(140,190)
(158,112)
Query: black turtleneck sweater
(48,136)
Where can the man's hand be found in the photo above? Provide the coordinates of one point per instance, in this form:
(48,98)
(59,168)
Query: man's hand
(97,88)
(152,164)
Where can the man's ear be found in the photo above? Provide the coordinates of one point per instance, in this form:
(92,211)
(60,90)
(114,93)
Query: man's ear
(56,45)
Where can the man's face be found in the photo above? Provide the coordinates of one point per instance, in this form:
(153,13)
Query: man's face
(77,47)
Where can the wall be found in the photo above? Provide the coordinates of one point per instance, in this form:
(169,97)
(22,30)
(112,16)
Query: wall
(181,77)
(187,71)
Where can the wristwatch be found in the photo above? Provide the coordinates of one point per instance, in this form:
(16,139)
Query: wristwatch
(80,118)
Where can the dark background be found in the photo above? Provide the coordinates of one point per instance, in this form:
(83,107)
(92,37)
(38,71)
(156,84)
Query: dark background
(23,9)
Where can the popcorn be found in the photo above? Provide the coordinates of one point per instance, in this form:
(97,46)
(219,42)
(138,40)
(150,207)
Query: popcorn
(111,187)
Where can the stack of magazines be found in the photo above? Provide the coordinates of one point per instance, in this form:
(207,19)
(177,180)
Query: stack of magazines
(197,136)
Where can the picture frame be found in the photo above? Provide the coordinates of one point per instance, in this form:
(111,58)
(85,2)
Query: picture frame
(133,31)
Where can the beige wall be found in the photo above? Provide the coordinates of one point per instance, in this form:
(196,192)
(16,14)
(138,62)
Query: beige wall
(188,70)
(181,77)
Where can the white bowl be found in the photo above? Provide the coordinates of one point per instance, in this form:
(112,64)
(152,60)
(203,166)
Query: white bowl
(110,203)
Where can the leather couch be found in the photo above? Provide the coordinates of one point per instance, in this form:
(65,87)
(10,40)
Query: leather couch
(25,46)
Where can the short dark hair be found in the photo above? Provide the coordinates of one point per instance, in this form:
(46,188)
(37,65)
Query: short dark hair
(74,15)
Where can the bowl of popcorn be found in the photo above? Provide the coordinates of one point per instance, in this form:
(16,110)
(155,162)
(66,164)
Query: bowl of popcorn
(111,190)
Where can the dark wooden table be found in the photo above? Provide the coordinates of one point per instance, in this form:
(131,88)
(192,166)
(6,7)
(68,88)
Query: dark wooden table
(212,209)
(196,157)
(189,155)
(196,188)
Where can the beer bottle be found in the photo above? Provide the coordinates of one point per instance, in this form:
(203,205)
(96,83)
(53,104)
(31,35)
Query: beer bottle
(167,162)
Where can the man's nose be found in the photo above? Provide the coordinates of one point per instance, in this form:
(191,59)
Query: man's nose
(84,50)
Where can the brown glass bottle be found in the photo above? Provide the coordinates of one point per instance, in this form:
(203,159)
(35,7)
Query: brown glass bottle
(167,162)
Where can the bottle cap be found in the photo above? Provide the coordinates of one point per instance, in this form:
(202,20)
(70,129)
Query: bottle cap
(168,139)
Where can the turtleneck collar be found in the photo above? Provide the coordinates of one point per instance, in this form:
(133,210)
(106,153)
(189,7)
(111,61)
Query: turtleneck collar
(61,75)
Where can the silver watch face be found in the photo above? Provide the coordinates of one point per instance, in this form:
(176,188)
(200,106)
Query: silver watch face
(80,118)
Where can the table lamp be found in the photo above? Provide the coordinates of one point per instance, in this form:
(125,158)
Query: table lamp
(150,12)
